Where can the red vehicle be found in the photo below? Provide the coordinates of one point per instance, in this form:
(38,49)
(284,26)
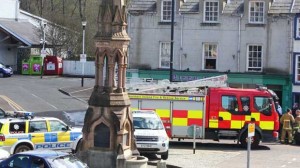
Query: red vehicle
(217,113)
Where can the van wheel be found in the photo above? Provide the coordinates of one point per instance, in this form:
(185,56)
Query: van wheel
(1,75)
(165,155)
(254,140)
(22,148)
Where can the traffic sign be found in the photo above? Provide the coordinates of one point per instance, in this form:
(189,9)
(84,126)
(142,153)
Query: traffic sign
(43,53)
(82,57)
(251,129)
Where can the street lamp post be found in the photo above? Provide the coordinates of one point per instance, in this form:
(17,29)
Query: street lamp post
(43,52)
(83,57)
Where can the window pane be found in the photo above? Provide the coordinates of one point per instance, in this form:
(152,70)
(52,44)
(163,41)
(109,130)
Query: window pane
(256,12)
(210,56)
(211,12)
(297,68)
(165,51)
(166,10)
(255,58)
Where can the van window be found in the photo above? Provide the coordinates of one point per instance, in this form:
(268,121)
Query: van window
(147,123)
(17,128)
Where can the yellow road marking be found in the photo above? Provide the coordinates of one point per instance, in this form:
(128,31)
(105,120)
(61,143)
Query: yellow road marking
(12,104)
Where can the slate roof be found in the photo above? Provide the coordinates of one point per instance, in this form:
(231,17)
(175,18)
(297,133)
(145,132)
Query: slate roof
(281,6)
(296,7)
(234,6)
(230,6)
(142,6)
(23,31)
(190,6)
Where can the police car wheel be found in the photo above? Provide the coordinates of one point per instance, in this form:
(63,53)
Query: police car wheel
(22,148)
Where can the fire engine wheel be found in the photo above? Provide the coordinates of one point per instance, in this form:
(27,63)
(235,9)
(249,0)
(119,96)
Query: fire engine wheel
(22,148)
(165,155)
(254,140)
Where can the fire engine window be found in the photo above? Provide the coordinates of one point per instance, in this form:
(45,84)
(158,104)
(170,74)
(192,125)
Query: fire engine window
(37,126)
(262,104)
(17,127)
(245,104)
(230,103)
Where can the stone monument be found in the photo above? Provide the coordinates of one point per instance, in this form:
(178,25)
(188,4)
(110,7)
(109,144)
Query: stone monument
(108,133)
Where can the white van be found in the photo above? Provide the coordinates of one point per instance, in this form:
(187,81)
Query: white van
(150,134)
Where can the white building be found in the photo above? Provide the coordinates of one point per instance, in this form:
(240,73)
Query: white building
(18,30)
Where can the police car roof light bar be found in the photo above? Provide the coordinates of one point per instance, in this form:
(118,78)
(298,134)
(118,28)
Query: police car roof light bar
(24,114)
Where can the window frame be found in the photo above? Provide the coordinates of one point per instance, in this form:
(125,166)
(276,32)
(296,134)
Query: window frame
(210,57)
(248,58)
(211,12)
(296,69)
(161,57)
(256,12)
(168,10)
(297,27)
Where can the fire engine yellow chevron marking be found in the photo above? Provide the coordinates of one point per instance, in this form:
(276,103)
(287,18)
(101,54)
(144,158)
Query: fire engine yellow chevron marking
(225,115)
(180,121)
(12,104)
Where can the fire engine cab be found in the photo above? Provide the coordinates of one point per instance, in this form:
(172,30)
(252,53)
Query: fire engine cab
(217,112)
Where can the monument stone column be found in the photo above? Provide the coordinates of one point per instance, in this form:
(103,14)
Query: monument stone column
(108,132)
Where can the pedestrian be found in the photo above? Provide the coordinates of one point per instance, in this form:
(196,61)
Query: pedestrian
(287,120)
(297,121)
(278,109)
(279,112)
(295,108)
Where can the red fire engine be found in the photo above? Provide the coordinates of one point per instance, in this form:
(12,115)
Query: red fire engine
(217,113)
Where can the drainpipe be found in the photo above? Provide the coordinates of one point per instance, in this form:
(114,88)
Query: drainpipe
(239,44)
(181,43)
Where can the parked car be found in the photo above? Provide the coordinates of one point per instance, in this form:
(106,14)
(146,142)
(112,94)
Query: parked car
(150,134)
(5,70)
(25,132)
(42,159)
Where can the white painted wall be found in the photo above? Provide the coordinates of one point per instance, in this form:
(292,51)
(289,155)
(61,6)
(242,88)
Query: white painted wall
(146,32)
(75,67)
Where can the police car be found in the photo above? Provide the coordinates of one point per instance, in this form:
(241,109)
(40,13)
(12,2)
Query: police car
(24,132)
